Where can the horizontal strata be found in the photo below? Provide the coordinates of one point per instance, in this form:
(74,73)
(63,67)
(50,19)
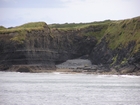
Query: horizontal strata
(114,44)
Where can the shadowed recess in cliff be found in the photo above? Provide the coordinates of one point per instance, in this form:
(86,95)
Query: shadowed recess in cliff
(114,44)
(28,45)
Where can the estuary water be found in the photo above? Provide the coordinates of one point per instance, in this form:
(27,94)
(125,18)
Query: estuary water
(68,89)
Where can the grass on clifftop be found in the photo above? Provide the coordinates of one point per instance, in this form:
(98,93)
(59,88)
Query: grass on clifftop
(33,25)
(24,27)
(21,31)
(97,31)
(20,37)
(68,26)
(98,28)
(121,33)
(2,28)
(118,33)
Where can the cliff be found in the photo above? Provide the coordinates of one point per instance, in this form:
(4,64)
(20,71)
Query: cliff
(38,46)
(35,46)
(119,48)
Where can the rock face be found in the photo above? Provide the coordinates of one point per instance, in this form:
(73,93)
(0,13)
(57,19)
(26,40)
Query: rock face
(75,64)
(42,49)
(119,48)
(37,46)
(119,58)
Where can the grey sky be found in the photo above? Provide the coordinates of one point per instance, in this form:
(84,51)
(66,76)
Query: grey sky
(17,12)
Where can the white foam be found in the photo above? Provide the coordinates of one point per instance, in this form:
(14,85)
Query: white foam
(56,73)
(129,76)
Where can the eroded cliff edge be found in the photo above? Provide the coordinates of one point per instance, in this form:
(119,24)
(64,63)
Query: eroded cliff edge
(119,48)
(38,46)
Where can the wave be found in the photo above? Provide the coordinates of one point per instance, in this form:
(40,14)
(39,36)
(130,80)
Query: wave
(129,76)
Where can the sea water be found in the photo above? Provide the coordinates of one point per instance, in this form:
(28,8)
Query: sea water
(68,89)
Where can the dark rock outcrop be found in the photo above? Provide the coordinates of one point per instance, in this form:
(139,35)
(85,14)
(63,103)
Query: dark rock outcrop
(119,59)
(119,48)
(43,48)
(110,45)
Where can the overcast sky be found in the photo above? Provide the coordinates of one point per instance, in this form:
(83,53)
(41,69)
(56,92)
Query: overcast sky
(17,12)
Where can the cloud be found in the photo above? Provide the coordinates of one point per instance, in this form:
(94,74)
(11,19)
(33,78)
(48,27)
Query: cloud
(103,9)
(30,4)
(8,0)
(23,15)
(62,11)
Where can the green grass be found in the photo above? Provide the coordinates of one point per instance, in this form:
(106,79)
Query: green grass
(21,31)
(98,28)
(98,31)
(68,26)
(33,25)
(114,59)
(25,27)
(20,37)
(2,28)
(124,61)
(119,34)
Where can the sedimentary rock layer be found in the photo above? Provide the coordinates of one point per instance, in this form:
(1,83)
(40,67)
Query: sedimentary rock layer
(108,44)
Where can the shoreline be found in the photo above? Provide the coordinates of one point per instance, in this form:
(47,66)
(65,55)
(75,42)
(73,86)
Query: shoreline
(74,71)
(112,72)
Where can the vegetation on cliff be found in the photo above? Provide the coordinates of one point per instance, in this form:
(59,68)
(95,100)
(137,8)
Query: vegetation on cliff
(25,27)
(77,25)
(2,28)
(117,33)
(121,33)
(21,31)
(107,42)
(118,41)
(120,45)
(95,29)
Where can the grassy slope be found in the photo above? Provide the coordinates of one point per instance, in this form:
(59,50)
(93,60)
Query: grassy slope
(101,25)
(98,31)
(70,26)
(24,27)
(22,30)
(2,28)
(116,32)
(120,33)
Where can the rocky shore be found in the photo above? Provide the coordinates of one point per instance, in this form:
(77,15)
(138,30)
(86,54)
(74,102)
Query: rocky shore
(85,66)
(74,66)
